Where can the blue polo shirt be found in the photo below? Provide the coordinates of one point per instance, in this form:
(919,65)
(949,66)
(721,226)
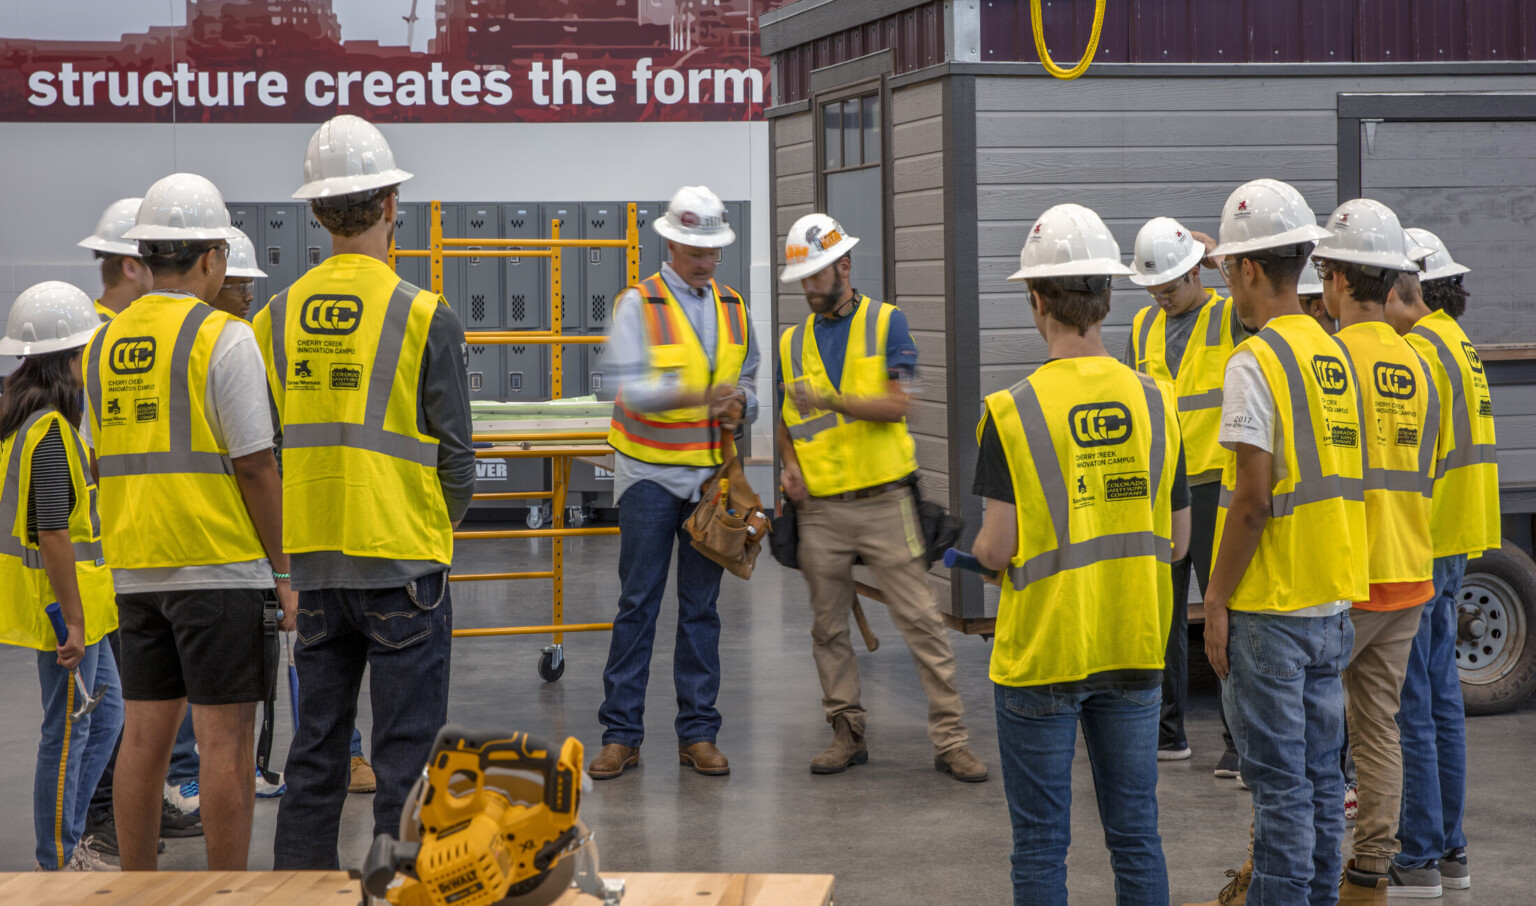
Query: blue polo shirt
(832,342)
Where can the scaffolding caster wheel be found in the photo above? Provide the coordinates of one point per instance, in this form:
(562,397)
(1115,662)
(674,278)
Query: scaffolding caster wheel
(537,516)
(577,516)
(552,664)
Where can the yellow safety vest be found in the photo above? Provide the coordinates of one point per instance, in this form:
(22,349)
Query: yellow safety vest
(1314,547)
(687,436)
(1401,420)
(1198,383)
(839,453)
(23,580)
(168,491)
(344,348)
(1465,513)
(1092,449)
(106,313)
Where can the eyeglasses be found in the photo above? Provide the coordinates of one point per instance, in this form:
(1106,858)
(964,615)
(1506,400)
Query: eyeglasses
(1225,266)
(245,290)
(1169,290)
(1323,268)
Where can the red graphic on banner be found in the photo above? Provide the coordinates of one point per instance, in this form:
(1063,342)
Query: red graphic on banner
(269,61)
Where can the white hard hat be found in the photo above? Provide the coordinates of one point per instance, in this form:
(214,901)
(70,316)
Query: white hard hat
(696,217)
(815,243)
(1438,265)
(182,207)
(1309,284)
(1164,252)
(1069,241)
(1416,253)
(1265,214)
(116,220)
(49,317)
(1365,232)
(348,155)
(242,258)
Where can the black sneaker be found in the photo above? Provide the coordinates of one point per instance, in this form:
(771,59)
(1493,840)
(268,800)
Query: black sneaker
(105,832)
(176,823)
(1228,765)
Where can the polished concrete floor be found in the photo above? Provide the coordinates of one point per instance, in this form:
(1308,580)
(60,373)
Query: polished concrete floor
(893,832)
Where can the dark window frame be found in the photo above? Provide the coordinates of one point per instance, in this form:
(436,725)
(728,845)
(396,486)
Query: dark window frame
(877,86)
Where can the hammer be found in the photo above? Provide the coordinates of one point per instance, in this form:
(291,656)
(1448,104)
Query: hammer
(88,703)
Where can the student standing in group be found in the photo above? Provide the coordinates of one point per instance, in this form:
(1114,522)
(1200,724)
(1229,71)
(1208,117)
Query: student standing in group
(123,274)
(50,556)
(851,467)
(191,521)
(1081,467)
(368,375)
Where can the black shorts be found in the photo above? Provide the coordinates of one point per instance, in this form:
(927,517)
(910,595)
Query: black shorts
(204,645)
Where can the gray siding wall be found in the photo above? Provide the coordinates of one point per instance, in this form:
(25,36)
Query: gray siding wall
(1136,149)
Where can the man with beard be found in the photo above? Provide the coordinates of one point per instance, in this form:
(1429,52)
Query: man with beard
(850,467)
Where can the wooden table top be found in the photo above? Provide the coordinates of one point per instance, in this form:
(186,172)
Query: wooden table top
(335,888)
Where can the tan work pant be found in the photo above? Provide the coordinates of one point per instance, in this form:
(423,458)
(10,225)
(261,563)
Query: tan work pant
(885,533)
(1373,687)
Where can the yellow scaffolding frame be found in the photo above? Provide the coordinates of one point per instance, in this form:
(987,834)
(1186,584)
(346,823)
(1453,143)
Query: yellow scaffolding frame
(575,444)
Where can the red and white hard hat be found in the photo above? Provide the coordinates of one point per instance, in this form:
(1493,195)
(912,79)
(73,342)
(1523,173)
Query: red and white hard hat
(116,220)
(348,155)
(696,217)
(814,243)
(1365,232)
(1164,252)
(1070,241)
(1266,214)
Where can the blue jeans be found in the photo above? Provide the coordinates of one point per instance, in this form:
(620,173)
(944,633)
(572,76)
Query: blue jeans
(1285,701)
(403,636)
(1036,736)
(650,520)
(184,759)
(1434,729)
(79,750)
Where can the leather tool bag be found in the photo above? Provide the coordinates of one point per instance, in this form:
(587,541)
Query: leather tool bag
(729,528)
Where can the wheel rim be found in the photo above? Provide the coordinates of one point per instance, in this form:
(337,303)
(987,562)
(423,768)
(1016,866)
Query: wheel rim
(1486,658)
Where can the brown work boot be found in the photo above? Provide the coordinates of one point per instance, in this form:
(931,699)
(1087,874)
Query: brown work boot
(363,778)
(1362,888)
(612,761)
(704,758)
(1236,891)
(962,765)
(847,749)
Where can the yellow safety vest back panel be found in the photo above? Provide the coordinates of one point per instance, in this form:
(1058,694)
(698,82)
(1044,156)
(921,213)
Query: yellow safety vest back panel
(1198,383)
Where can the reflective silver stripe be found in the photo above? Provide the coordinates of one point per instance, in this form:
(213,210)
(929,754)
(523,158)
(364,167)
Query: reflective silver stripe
(164,462)
(10,545)
(179,403)
(646,431)
(84,464)
(1431,425)
(1218,314)
(809,429)
(1148,316)
(1349,360)
(871,325)
(1210,399)
(1469,455)
(1398,480)
(1070,554)
(277,313)
(1465,452)
(1314,490)
(32,558)
(360,437)
(93,382)
(386,358)
(1308,460)
(797,349)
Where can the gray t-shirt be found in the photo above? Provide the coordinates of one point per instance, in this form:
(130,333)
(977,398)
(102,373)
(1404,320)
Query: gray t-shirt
(1177,331)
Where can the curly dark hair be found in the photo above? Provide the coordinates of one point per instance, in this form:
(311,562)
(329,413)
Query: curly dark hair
(1447,295)
(351,215)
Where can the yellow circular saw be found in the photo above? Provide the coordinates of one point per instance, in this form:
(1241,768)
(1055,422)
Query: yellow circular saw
(492,820)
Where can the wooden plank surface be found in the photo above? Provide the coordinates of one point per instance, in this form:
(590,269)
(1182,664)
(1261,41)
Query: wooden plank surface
(334,888)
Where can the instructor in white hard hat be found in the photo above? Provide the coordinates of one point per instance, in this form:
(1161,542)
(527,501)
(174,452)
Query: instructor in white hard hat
(1081,467)
(123,274)
(683,348)
(191,519)
(851,468)
(368,376)
(1184,338)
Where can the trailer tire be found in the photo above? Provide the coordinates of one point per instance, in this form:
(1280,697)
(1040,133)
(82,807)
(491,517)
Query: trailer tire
(1496,631)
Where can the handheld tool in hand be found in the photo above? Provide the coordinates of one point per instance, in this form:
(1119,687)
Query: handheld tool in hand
(954,558)
(88,702)
(492,820)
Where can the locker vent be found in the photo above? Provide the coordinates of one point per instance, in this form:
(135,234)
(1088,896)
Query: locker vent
(238,224)
(477,350)
(597,350)
(477,223)
(519,350)
(519,309)
(598,224)
(399,223)
(275,224)
(517,224)
(477,308)
(599,309)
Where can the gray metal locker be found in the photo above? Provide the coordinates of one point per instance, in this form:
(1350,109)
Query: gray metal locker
(411,233)
(573,371)
(603,268)
(525,299)
(282,227)
(735,259)
(247,219)
(317,241)
(479,306)
(485,372)
(569,215)
(600,379)
(453,268)
(653,248)
(527,372)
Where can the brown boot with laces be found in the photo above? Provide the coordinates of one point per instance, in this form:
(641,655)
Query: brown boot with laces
(847,749)
(1236,891)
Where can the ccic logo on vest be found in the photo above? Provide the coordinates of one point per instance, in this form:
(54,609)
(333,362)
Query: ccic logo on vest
(132,355)
(1100,424)
(1394,381)
(1332,376)
(1474,361)
(332,315)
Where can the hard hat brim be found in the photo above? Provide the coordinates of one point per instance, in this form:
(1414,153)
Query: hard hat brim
(107,246)
(1441,273)
(9,346)
(1368,259)
(254,272)
(336,186)
(186,234)
(1303,233)
(718,239)
(794,273)
(1091,267)
(1173,273)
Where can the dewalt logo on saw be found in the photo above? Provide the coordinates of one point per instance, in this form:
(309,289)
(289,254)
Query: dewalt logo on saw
(132,355)
(1394,381)
(1100,424)
(1332,376)
(331,315)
